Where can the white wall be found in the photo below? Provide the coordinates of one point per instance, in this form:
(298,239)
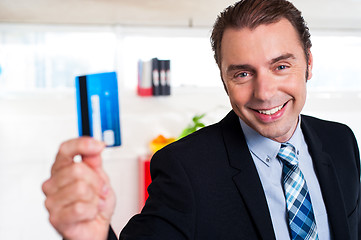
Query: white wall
(33,126)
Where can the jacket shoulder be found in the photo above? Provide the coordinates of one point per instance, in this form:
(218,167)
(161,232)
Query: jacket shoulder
(326,127)
(336,138)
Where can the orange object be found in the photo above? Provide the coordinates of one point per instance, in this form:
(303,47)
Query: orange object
(160,142)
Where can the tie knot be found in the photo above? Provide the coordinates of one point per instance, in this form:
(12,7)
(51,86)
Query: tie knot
(287,154)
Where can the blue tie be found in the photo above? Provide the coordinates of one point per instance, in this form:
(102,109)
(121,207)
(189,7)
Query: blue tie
(299,207)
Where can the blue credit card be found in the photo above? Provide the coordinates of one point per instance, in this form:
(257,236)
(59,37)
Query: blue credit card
(98,107)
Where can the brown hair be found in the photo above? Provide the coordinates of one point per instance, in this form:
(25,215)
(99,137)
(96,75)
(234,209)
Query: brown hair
(251,14)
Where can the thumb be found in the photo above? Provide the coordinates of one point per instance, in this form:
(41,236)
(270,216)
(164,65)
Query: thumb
(93,157)
(87,147)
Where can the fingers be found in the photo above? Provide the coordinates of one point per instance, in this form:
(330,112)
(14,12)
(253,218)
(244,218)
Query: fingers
(73,214)
(87,147)
(107,203)
(79,202)
(76,172)
(78,191)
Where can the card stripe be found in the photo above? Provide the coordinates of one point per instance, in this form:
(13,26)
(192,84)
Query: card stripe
(84,106)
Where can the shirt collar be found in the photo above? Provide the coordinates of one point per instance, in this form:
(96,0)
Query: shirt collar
(266,149)
(297,137)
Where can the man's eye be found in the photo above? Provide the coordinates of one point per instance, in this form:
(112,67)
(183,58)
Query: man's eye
(281,67)
(242,74)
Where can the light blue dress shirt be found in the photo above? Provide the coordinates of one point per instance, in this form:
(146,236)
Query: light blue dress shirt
(264,152)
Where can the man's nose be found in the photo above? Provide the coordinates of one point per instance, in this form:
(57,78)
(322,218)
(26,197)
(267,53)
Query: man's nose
(265,86)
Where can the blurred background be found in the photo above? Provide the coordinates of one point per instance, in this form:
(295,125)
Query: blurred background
(44,44)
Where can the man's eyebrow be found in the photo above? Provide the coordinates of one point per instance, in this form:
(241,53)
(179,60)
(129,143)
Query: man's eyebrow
(283,57)
(234,67)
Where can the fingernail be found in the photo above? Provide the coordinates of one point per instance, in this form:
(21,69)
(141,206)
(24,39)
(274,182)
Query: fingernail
(101,204)
(105,190)
(97,144)
(101,143)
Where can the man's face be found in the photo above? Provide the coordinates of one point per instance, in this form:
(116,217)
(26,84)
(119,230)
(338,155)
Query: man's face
(264,72)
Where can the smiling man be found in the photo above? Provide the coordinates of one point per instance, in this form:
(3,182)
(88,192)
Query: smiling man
(264,71)
(264,172)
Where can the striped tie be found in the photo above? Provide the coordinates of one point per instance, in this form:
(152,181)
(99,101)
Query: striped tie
(300,213)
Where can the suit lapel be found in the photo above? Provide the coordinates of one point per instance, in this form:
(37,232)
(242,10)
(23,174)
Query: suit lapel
(328,180)
(246,180)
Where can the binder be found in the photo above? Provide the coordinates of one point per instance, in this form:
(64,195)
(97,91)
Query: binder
(167,90)
(162,76)
(145,87)
(155,77)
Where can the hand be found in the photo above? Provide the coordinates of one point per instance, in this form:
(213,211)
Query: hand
(79,197)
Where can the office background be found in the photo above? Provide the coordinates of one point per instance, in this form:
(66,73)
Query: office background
(44,44)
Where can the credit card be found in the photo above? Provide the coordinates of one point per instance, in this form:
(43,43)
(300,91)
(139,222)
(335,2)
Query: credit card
(98,107)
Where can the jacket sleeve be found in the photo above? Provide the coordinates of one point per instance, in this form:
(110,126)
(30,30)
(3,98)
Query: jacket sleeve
(111,234)
(357,154)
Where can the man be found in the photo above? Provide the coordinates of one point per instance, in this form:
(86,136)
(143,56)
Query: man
(263,172)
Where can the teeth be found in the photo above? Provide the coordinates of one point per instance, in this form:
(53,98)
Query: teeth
(270,111)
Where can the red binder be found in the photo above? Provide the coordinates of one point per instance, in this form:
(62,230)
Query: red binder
(144,179)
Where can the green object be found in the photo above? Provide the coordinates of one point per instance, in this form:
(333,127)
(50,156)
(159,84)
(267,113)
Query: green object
(194,126)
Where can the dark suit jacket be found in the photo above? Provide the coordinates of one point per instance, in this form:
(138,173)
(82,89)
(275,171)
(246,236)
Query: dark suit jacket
(206,185)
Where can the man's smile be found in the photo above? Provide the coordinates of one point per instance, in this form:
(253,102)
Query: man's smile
(272,110)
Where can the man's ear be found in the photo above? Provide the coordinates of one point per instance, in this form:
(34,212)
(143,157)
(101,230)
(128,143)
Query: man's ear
(309,65)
